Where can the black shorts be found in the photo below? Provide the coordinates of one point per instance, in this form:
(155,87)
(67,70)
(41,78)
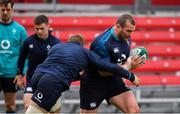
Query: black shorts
(47,89)
(7,85)
(93,92)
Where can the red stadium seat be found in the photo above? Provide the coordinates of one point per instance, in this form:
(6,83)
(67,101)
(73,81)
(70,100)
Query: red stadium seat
(138,36)
(112,2)
(157,80)
(170,51)
(160,66)
(34,1)
(165,2)
(77,22)
(151,80)
(156,36)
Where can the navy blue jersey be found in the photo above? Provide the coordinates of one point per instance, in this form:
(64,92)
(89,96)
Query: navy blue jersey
(66,60)
(110,47)
(35,50)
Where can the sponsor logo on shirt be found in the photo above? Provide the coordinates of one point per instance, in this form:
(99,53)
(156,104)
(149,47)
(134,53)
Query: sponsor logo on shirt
(93,104)
(5,44)
(121,59)
(31,46)
(39,96)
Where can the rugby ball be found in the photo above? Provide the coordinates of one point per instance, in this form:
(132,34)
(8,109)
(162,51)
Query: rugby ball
(140,50)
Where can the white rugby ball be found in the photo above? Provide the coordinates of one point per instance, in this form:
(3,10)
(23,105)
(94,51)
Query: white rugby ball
(140,50)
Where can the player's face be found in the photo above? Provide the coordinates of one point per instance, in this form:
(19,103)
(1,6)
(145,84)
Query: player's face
(127,30)
(42,30)
(6,12)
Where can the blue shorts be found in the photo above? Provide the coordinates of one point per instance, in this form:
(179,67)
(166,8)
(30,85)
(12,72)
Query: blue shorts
(7,85)
(47,89)
(95,90)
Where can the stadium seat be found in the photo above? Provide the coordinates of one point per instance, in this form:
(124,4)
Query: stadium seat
(156,36)
(160,66)
(77,22)
(165,2)
(151,80)
(111,2)
(138,36)
(34,1)
(168,51)
(157,80)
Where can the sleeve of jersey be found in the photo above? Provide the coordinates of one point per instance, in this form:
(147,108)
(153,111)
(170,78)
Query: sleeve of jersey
(100,49)
(23,35)
(101,64)
(22,57)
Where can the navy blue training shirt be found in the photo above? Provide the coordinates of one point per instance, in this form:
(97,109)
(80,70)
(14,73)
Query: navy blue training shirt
(110,47)
(66,60)
(35,49)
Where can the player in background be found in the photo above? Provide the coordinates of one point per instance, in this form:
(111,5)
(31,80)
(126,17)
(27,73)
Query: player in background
(35,49)
(63,65)
(12,35)
(112,45)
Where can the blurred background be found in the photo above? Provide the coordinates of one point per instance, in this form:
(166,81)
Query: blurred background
(158,30)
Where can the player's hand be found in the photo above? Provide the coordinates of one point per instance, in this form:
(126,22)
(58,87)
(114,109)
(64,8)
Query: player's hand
(19,80)
(82,73)
(136,81)
(136,61)
(127,64)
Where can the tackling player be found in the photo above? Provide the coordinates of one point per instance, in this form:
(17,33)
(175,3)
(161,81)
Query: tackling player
(35,48)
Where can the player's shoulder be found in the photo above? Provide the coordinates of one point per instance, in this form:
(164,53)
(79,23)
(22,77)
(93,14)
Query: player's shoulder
(18,24)
(31,38)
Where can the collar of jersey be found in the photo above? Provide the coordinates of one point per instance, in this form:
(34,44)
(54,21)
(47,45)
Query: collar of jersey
(6,24)
(113,33)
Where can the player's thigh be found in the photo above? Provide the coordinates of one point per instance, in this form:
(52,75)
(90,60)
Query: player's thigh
(91,96)
(84,111)
(125,101)
(57,107)
(35,109)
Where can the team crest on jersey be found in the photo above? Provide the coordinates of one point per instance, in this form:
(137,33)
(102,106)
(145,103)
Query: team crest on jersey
(14,31)
(31,46)
(48,47)
(116,50)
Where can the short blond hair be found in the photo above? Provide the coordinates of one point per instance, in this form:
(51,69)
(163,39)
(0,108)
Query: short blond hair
(77,38)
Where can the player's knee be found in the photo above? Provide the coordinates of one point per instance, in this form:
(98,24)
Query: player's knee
(133,109)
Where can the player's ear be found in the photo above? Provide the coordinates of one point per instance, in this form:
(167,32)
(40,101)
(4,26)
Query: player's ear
(48,25)
(118,27)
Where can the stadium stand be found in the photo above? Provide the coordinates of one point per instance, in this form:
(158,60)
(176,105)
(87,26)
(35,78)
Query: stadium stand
(165,2)
(112,2)
(103,22)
